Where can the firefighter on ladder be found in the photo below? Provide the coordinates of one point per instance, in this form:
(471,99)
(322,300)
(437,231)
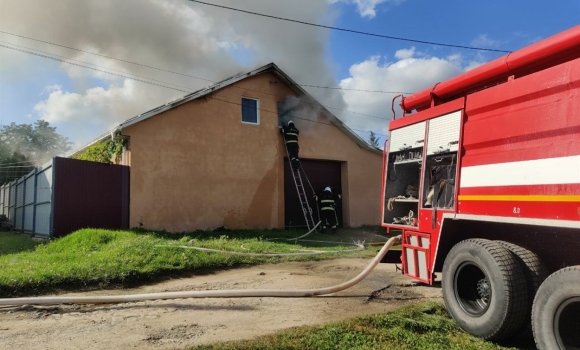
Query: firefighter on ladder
(327,209)
(291,138)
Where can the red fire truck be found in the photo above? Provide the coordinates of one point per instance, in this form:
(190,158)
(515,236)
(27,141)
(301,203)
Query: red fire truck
(483,181)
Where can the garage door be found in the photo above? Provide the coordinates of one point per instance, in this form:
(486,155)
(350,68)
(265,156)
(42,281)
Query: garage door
(321,174)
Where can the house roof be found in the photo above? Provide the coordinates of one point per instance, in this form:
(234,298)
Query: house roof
(269,68)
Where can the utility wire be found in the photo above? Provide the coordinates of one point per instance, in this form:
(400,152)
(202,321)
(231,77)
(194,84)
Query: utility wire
(145,81)
(16,163)
(52,56)
(351,30)
(361,90)
(188,75)
(15,166)
(192,76)
(294,116)
(92,68)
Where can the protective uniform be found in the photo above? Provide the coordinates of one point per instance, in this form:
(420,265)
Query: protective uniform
(327,205)
(291,137)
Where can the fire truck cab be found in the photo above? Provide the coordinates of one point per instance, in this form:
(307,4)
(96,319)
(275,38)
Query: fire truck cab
(481,176)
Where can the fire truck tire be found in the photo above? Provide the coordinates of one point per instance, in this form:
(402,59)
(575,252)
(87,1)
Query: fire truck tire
(556,311)
(484,289)
(535,272)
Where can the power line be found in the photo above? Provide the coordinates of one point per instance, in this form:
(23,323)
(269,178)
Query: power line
(351,30)
(192,76)
(144,81)
(52,56)
(294,116)
(16,163)
(92,68)
(360,90)
(15,166)
(188,75)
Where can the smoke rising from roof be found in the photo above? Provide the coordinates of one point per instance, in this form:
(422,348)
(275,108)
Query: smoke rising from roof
(177,35)
(201,41)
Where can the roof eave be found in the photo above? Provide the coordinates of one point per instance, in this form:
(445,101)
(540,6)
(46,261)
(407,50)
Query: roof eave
(271,67)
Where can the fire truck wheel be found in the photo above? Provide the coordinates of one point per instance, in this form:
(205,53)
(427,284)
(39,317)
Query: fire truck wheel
(556,311)
(535,272)
(484,289)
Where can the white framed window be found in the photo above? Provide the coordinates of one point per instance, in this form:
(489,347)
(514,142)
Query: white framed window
(250,111)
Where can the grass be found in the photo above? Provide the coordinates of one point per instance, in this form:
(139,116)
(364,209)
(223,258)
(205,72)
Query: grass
(421,326)
(12,242)
(95,258)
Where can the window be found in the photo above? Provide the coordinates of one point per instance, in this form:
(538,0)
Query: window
(439,181)
(250,111)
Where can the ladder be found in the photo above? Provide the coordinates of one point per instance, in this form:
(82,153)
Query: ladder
(306,209)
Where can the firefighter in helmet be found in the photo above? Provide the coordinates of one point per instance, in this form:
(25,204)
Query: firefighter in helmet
(291,138)
(327,205)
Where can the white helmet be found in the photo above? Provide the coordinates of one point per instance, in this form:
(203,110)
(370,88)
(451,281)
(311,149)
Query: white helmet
(328,189)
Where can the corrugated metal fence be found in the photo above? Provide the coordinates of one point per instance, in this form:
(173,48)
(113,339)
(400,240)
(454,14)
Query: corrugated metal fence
(65,195)
(27,201)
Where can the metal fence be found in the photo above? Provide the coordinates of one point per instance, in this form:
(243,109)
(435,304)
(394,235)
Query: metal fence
(65,195)
(27,201)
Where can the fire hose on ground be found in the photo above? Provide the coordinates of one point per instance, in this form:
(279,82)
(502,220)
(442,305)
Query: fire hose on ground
(297,293)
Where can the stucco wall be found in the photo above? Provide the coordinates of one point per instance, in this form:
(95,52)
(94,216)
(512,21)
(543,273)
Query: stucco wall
(197,166)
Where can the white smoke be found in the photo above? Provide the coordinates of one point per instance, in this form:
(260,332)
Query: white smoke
(175,35)
(201,41)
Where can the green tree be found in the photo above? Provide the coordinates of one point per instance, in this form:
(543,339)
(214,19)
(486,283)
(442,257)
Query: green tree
(102,152)
(23,146)
(373,140)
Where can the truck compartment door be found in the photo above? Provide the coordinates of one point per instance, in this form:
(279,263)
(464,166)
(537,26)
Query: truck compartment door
(444,133)
(416,256)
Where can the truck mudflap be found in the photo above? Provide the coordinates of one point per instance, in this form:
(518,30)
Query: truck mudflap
(416,253)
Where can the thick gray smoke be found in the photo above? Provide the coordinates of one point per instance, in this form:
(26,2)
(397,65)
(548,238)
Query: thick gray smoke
(177,35)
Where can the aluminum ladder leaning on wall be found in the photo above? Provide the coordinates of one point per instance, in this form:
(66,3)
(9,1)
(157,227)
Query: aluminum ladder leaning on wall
(306,209)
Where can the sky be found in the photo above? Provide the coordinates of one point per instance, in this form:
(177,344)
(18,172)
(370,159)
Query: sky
(211,44)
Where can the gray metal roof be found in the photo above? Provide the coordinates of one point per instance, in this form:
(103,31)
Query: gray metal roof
(269,68)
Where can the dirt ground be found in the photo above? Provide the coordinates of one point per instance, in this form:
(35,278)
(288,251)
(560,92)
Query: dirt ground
(179,324)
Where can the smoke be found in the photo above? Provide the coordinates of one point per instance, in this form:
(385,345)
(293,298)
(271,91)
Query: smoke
(205,42)
(302,111)
(176,35)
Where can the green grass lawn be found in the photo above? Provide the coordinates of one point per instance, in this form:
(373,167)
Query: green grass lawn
(93,258)
(12,242)
(421,326)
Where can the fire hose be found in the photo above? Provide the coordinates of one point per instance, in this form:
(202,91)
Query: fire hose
(296,293)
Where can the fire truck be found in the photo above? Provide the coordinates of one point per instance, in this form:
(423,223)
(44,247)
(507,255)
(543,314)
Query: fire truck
(481,176)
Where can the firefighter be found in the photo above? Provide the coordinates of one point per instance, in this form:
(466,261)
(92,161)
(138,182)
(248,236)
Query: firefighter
(291,137)
(327,205)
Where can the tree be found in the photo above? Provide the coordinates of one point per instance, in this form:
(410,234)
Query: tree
(374,140)
(24,146)
(102,152)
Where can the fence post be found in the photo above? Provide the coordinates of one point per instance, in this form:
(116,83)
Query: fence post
(23,202)
(34,201)
(15,203)
(52,189)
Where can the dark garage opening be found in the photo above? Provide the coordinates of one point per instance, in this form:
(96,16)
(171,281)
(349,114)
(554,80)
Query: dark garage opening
(321,174)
